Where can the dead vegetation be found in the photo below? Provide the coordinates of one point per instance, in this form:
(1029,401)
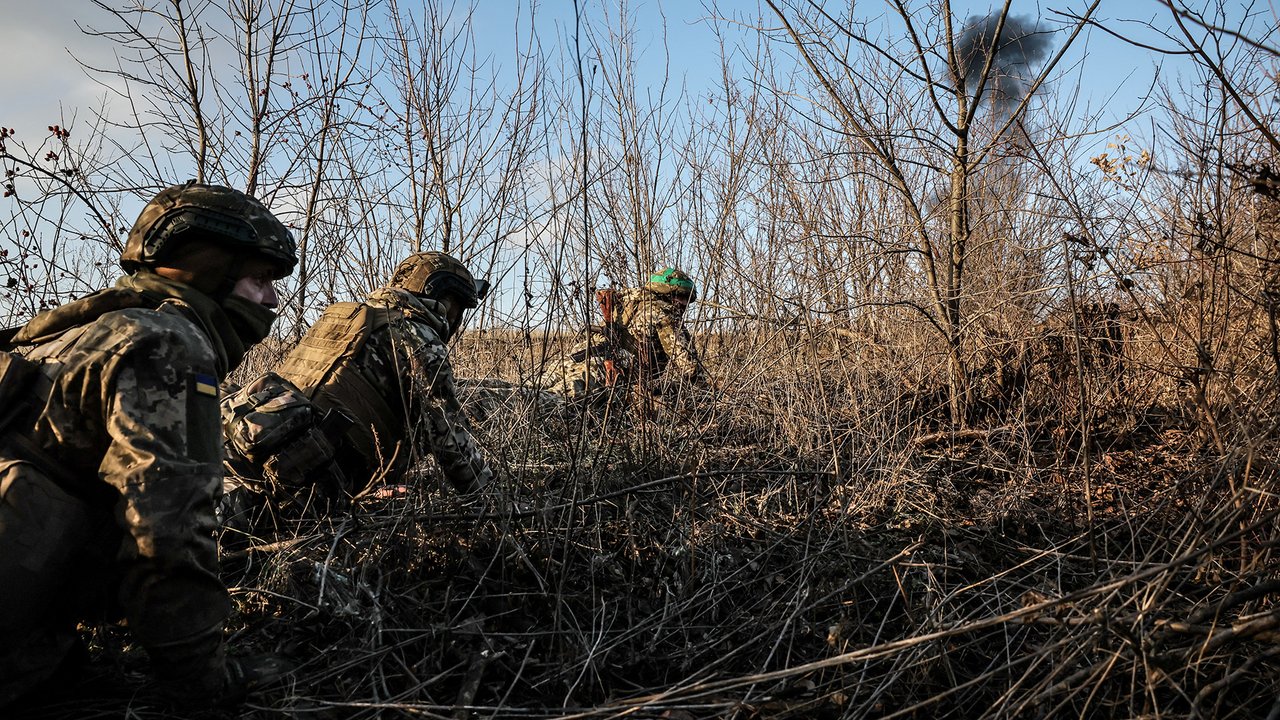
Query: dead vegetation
(729,556)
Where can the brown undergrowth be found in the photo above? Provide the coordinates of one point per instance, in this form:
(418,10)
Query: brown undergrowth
(785,546)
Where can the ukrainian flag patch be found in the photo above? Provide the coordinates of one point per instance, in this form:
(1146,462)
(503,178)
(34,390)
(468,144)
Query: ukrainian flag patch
(206,385)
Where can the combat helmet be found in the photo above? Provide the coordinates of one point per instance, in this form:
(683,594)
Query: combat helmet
(435,273)
(212,213)
(672,281)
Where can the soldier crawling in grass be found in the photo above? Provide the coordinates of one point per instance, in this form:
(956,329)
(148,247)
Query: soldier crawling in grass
(110,457)
(642,344)
(367,392)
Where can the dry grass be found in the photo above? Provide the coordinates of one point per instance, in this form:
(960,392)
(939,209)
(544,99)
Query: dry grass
(802,542)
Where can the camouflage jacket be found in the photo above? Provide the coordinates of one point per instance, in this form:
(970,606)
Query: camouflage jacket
(405,361)
(651,328)
(131,426)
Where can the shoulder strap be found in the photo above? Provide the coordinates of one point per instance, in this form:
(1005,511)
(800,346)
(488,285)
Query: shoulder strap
(6,337)
(51,323)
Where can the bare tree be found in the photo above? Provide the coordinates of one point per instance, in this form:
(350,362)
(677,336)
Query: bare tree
(467,135)
(932,109)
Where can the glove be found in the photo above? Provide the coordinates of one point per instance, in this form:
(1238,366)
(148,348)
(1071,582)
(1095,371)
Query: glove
(246,675)
(238,678)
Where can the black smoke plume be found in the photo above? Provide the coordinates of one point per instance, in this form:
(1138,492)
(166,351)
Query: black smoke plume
(1021,45)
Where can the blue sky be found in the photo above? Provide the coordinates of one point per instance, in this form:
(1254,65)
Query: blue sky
(677,36)
(41,83)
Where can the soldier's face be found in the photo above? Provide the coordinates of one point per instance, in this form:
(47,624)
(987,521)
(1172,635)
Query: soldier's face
(453,311)
(257,284)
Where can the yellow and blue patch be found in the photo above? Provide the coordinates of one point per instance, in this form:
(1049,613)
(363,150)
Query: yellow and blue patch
(205,384)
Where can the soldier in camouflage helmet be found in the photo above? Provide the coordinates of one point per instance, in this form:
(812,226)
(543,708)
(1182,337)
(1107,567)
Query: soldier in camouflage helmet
(642,344)
(367,392)
(110,452)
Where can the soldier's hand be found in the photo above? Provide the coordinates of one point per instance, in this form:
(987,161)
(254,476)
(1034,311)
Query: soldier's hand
(249,674)
(392,492)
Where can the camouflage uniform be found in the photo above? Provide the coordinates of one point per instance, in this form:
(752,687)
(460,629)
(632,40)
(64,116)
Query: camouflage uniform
(107,489)
(647,346)
(486,399)
(384,364)
(110,457)
(1266,187)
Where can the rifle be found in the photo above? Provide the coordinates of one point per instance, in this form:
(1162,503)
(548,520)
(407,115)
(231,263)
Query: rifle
(607,299)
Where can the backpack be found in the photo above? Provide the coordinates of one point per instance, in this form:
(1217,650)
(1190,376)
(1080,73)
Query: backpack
(24,390)
(18,390)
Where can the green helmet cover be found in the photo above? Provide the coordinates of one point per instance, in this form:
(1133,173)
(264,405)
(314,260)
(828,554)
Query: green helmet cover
(672,281)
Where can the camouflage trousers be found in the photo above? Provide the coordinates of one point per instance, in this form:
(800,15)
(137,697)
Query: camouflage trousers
(590,379)
(485,398)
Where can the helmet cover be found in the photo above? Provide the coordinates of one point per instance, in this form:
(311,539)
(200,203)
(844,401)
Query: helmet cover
(672,281)
(434,274)
(210,213)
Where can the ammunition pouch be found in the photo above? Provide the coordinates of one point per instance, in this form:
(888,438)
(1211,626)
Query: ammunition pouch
(310,449)
(275,432)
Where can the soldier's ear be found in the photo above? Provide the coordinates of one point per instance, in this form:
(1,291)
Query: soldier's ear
(203,265)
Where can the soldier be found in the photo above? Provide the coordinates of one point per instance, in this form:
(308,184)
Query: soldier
(643,343)
(367,391)
(110,455)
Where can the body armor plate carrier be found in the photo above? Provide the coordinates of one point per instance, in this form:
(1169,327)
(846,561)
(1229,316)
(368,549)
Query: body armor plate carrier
(322,366)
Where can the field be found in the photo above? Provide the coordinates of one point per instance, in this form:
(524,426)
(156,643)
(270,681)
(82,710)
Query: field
(798,541)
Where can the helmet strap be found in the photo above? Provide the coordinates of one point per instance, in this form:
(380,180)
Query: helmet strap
(230,278)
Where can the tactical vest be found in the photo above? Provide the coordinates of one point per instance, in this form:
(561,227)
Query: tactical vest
(322,366)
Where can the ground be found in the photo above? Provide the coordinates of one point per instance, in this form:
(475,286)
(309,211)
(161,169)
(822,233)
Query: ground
(649,568)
